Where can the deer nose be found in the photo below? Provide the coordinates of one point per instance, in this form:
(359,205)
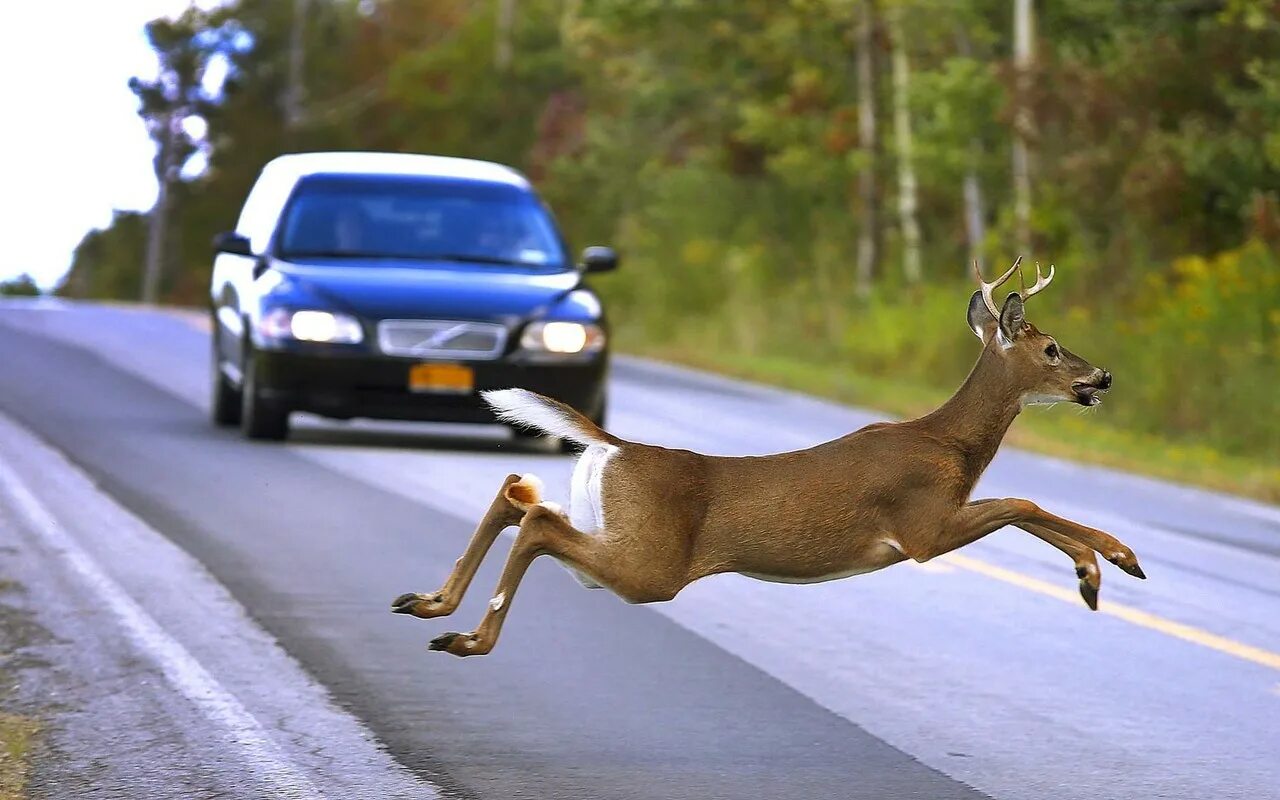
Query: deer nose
(1104,382)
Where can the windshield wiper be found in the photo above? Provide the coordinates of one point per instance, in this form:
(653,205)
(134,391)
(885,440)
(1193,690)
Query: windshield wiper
(467,258)
(331,254)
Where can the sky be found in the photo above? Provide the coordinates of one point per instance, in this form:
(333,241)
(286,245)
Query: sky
(72,146)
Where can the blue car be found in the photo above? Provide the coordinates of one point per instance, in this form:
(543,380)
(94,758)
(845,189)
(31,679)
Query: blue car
(396,286)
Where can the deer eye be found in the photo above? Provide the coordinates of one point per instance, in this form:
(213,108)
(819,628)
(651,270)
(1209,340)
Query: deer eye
(1051,351)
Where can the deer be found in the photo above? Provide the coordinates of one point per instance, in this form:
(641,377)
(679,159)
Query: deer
(646,521)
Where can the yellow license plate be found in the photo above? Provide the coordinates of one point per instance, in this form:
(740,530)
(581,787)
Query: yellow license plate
(441,378)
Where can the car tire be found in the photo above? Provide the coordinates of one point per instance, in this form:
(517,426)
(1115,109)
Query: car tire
(224,402)
(259,417)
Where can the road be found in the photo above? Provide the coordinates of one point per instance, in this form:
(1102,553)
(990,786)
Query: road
(977,674)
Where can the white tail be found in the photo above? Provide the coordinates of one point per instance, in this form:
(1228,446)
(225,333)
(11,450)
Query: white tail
(523,407)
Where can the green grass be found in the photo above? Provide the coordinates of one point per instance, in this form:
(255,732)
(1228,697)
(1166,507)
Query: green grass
(17,736)
(1061,431)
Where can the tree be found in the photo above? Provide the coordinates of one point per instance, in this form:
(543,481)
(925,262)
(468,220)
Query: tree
(868,192)
(166,103)
(22,286)
(907,196)
(1023,121)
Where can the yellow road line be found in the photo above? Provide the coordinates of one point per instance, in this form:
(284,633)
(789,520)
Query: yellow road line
(1134,616)
(935,565)
(1143,619)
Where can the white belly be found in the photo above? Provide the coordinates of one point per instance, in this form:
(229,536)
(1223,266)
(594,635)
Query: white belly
(835,576)
(884,553)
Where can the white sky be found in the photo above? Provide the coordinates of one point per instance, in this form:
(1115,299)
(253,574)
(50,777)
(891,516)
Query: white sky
(72,146)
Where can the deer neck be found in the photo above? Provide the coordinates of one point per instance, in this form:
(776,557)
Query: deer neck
(979,414)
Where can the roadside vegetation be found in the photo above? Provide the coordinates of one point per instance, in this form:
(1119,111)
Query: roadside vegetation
(798,188)
(17,735)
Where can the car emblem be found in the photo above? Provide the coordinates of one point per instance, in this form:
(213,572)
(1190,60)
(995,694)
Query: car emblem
(439,339)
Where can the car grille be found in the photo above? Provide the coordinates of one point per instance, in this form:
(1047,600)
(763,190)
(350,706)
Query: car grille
(441,338)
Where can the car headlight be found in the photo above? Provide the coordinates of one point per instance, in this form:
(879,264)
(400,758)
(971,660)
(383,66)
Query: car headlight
(562,338)
(311,326)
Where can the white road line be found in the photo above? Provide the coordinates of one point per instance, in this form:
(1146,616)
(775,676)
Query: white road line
(187,676)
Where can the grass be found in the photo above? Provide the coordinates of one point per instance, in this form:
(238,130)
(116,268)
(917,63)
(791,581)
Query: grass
(17,736)
(1058,431)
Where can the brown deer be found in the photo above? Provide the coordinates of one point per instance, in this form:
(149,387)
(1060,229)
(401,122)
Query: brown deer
(645,521)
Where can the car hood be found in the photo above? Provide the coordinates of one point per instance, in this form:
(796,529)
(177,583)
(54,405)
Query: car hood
(390,291)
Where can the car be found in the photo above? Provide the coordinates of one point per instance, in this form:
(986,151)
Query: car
(399,286)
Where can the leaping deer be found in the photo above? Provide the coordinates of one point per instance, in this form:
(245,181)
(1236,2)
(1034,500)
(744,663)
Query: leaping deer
(646,521)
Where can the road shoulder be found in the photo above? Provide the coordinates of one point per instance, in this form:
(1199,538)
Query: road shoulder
(145,676)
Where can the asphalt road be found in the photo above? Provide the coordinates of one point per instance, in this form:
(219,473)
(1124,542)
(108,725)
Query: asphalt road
(978,674)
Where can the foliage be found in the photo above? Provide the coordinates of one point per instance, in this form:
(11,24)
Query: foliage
(22,286)
(716,143)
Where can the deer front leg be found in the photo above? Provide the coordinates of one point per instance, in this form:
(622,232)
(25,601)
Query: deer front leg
(545,531)
(977,519)
(1086,562)
(504,511)
(1108,546)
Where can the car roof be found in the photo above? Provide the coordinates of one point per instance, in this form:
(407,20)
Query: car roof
(295,166)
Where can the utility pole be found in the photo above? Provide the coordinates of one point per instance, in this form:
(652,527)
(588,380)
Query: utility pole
(1023,58)
(295,94)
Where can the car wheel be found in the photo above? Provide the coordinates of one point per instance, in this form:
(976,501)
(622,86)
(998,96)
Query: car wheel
(224,403)
(259,417)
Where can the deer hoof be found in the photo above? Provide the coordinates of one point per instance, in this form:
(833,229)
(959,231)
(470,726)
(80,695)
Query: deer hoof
(1090,594)
(1133,569)
(425,606)
(459,644)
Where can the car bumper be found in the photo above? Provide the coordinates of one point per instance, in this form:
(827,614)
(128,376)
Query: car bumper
(344,386)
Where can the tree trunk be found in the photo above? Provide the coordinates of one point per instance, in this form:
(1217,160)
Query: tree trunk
(975,216)
(504,52)
(1023,57)
(158,219)
(869,230)
(295,92)
(975,221)
(907,198)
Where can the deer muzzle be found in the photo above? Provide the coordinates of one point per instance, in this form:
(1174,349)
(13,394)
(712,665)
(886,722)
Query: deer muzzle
(1087,392)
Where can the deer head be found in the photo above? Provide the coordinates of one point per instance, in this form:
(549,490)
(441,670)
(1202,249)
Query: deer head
(1043,370)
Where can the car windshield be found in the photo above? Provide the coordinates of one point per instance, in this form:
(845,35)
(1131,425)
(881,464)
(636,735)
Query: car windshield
(419,218)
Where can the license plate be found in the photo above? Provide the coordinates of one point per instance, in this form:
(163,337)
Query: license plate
(441,378)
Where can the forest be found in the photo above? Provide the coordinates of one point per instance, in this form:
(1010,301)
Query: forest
(799,188)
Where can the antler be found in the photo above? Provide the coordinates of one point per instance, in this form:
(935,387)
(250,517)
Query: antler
(988,288)
(1027,294)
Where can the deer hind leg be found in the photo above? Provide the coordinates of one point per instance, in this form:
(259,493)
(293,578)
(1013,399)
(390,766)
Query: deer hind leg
(515,497)
(545,531)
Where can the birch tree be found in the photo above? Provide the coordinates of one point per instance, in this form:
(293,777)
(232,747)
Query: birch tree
(907,199)
(975,215)
(868,235)
(504,52)
(1023,57)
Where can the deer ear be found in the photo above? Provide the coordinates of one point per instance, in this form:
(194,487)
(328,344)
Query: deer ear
(1012,318)
(981,322)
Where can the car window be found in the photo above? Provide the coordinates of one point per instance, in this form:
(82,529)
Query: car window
(418,218)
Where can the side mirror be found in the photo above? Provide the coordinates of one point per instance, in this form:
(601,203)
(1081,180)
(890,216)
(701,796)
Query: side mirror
(599,259)
(233,243)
